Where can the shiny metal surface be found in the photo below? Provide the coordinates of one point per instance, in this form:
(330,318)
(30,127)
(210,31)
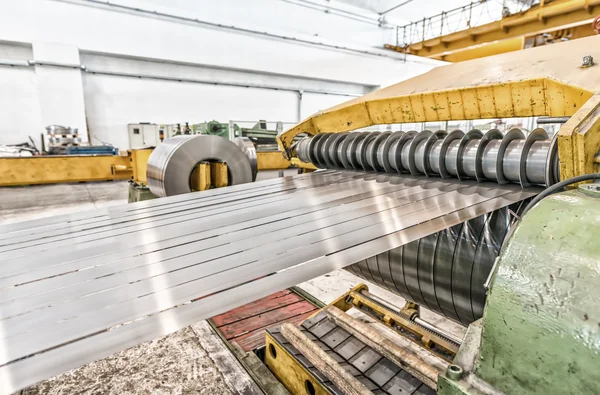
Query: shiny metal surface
(487,154)
(444,271)
(385,303)
(511,164)
(434,156)
(248,148)
(490,155)
(468,158)
(536,135)
(134,269)
(451,157)
(472,155)
(172,162)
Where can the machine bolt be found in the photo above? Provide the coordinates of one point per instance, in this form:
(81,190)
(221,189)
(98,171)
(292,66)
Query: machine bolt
(592,190)
(454,372)
(587,61)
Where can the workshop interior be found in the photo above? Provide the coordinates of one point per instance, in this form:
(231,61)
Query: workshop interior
(300,197)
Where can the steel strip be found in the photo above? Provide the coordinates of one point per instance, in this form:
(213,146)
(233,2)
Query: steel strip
(461,269)
(94,268)
(217,226)
(224,211)
(23,373)
(425,270)
(149,204)
(22,345)
(207,255)
(101,268)
(194,206)
(411,254)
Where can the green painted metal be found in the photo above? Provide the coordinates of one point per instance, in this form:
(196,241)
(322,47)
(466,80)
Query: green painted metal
(468,354)
(214,128)
(541,325)
(139,193)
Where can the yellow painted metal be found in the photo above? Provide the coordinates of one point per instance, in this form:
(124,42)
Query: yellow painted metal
(538,19)
(514,44)
(579,141)
(200,179)
(344,302)
(139,160)
(542,81)
(483,50)
(271,160)
(288,370)
(218,174)
(354,298)
(62,169)
(303,165)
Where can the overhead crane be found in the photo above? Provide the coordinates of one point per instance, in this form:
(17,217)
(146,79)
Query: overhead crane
(548,21)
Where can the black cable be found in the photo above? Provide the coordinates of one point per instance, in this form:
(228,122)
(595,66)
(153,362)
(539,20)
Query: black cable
(558,186)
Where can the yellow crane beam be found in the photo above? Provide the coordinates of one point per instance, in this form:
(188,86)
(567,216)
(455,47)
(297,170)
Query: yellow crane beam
(542,18)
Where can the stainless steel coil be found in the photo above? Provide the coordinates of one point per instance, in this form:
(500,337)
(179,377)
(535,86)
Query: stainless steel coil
(171,163)
(445,271)
(248,148)
(510,157)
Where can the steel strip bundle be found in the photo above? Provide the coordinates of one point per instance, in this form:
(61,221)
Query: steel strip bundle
(95,283)
(171,163)
(445,271)
(511,157)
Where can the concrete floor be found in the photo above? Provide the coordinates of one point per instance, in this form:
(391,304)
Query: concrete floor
(39,201)
(191,361)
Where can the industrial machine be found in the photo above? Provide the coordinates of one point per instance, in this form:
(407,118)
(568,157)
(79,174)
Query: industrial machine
(146,135)
(534,333)
(60,138)
(463,223)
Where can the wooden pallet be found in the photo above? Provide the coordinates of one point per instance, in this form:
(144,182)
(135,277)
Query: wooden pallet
(246,324)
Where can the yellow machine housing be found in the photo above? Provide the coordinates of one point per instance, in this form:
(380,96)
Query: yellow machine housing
(543,81)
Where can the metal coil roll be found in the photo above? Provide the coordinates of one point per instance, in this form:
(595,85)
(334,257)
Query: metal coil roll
(510,157)
(172,162)
(445,271)
(248,148)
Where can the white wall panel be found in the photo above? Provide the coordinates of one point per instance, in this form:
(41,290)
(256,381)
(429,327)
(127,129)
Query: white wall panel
(110,31)
(15,51)
(60,92)
(312,103)
(130,42)
(19,110)
(113,102)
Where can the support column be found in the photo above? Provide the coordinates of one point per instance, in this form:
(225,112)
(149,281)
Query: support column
(300,93)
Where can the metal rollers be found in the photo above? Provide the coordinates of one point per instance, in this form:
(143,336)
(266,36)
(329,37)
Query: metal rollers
(445,271)
(504,158)
(172,162)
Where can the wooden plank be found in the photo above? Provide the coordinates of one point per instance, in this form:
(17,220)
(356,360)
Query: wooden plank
(256,338)
(339,376)
(425,370)
(239,328)
(255,308)
(234,375)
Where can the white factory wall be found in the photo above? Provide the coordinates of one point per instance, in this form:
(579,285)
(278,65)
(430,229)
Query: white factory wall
(19,107)
(133,56)
(111,101)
